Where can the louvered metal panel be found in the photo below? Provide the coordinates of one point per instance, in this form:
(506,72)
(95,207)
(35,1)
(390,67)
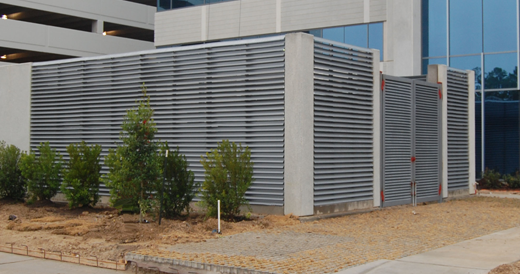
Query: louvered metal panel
(427,140)
(201,95)
(397,138)
(343,87)
(458,137)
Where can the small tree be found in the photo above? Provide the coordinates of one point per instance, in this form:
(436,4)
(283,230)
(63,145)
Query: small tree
(179,185)
(81,176)
(42,172)
(12,184)
(228,175)
(134,166)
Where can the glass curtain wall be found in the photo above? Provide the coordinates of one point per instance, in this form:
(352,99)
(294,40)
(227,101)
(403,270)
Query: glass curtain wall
(175,4)
(481,35)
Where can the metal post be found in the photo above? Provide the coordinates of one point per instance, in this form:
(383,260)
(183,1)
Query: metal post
(218,209)
(162,189)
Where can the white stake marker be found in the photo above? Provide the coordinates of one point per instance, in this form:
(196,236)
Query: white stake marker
(218,208)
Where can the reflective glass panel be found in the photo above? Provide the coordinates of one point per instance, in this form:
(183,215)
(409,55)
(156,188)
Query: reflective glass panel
(335,34)
(433,61)
(469,62)
(375,37)
(465,27)
(316,32)
(499,25)
(501,131)
(357,35)
(501,71)
(478,134)
(186,3)
(434,28)
(163,5)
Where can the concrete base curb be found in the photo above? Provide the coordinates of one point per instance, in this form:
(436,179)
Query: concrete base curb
(145,260)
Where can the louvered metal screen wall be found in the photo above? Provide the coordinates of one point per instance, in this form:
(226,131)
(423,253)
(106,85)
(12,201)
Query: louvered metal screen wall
(458,137)
(343,91)
(397,138)
(201,95)
(428,134)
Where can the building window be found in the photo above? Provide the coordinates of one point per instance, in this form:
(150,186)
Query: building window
(365,35)
(482,35)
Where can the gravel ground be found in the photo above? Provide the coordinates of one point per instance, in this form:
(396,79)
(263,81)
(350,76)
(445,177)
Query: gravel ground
(330,245)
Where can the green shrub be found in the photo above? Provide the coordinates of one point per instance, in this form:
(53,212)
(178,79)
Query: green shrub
(43,172)
(228,175)
(81,176)
(179,184)
(513,181)
(12,184)
(490,180)
(135,167)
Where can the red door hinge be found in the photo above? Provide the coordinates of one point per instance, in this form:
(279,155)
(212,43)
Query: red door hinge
(382,196)
(440,91)
(440,189)
(383,85)
(413,159)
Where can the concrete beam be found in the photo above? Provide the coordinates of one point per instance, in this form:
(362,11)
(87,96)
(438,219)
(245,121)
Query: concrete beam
(471,130)
(299,125)
(41,38)
(377,120)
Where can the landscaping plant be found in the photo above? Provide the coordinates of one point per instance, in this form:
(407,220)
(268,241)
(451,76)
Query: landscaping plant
(179,184)
(12,184)
(134,166)
(490,180)
(81,176)
(42,172)
(228,175)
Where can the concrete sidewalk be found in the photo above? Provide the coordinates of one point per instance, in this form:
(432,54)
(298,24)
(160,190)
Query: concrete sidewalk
(475,256)
(10,263)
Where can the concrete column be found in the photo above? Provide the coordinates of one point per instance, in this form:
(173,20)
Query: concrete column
(377,118)
(15,104)
(402,35)
(299,125)
(439,74)
(471,130)
(98,26)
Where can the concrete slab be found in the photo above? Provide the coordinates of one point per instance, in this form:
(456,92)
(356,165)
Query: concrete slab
(474,256)
(10,263)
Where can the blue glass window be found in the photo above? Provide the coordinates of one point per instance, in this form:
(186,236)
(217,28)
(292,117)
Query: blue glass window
(465,27)
(357,35)
(478,134)
(434,28)
(334,34)
(501,131)
(501,71)
(469,62)
(499,25)
(164,5)
(375,37)
(432,61)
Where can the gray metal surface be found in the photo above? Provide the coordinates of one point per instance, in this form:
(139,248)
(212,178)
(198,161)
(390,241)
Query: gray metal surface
(427,139)
(343,128)
(397,138)
(201,95)
(458,137)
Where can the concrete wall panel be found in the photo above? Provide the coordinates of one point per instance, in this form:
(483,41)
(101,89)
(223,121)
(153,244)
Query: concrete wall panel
(15,103)
(310,14)
(224,20)
(257,16)
(178,26)
(377,10)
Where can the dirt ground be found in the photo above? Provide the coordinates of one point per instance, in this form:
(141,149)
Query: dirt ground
(390,233)
(104,233)
(513,268)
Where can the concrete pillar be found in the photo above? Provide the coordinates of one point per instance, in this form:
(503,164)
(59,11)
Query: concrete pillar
(98,26)
(402,36)
(15,104)
(299,125)
(471,130)
(439,74)
(377,118)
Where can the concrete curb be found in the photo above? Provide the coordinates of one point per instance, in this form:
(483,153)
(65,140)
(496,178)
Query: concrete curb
(138,258)
(336,215)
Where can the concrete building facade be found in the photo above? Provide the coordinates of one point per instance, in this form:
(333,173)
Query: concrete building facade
(57,29)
